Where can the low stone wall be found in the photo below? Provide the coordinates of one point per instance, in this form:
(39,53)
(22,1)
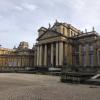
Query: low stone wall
(78,74)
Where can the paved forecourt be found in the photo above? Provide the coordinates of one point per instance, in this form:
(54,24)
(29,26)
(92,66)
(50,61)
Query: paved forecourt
(43,87)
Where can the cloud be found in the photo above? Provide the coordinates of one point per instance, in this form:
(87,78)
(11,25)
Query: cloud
(1,16)
(20,20)
(19,8)
(30,7)
(26,6)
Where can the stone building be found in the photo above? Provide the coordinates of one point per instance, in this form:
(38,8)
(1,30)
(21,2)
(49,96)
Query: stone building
(63,44)
(17,58)
(59,45)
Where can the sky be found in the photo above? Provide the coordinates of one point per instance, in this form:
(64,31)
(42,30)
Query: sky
(21,19)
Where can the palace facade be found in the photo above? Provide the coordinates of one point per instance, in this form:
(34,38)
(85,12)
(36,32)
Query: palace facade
(16,58)
(58,45)
(62,44)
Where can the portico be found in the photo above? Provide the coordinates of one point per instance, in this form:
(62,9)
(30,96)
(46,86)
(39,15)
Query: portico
(50,54)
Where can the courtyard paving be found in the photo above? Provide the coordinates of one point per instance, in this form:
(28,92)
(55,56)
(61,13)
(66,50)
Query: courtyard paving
(43,87)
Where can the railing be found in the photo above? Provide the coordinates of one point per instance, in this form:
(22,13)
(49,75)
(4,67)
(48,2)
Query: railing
(80,69)
(14,68)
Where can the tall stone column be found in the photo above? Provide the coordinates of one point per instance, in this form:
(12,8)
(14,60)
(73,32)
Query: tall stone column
(71,54)
(69,33)
(95,56)
(35,59)
(61,53)
(37,55)
(40,56)
(22,61)
(45,55)
(52,51)
(98,57)
(80,54)
(87,55)
(66,53)
(57,54)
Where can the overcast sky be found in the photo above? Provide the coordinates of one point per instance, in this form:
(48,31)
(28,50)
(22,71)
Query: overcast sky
(20,19)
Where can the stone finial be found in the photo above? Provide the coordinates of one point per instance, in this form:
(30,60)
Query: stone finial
(93,29)
(14,47)
(85,30)
(49,25)
(56,21)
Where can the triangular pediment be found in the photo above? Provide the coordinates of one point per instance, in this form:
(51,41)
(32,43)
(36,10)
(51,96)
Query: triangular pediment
(49,34)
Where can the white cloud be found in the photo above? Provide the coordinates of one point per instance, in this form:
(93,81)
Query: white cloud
(87,15)
(30,7)
(76,4)
(20,19)
(19,8)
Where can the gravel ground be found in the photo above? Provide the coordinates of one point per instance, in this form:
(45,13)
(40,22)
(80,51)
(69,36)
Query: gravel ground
(43,87)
